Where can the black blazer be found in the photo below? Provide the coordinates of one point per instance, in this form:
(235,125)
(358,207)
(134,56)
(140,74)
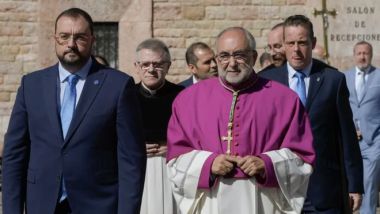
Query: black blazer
(102,158)
(187,82)
(339,165)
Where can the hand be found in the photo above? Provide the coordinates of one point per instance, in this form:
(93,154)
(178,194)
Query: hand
(357,198)
(223,164)
(359,134)
(251,165)
(151,149)
(162,149)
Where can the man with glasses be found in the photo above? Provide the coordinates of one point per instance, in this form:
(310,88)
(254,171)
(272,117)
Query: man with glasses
(338,176)
(239,143)
(156,96)
(75,141)
(274,47)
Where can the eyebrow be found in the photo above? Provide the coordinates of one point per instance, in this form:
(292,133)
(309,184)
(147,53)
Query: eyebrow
(80,34)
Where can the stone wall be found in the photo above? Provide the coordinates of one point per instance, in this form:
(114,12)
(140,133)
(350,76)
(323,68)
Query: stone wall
(179,23)
(18,51)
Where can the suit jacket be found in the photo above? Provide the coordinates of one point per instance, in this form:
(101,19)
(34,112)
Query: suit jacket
(338,156)
(187,82)
(366,110)
(102,159)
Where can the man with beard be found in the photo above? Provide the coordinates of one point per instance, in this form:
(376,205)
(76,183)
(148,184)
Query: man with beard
(201,63)
(275,48)
(156,96)
(323,91)
(363,81)
(75,141)
(252,156)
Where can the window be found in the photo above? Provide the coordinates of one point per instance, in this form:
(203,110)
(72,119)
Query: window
(107,42)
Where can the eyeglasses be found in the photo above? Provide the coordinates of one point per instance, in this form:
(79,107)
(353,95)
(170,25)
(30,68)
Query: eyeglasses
(156,65)
(240,57)
(276,48)
(80,39)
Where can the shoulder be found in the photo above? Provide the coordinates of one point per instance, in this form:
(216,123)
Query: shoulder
(175,88)
(42,72)
(275,89)
(186,82)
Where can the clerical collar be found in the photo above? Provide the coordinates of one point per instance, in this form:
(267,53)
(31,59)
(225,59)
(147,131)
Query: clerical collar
(152,92)
(306,71)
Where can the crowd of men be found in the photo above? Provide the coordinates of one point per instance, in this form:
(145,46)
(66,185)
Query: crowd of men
(297,137)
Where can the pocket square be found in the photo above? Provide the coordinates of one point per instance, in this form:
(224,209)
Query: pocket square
(373,86)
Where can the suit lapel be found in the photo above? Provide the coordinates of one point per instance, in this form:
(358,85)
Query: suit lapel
(316,80)
(351,76)
(369,80)
(283,75)
(50,93)
(94,82)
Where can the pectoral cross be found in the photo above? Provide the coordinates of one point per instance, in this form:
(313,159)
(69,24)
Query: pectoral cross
(325,13)
(228,138)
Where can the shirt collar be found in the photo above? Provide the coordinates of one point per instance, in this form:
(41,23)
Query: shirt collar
(194,80)
(358,71)
(306,70)
(82,73)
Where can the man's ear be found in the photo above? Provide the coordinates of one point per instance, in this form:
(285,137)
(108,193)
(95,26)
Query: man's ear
(192,68)
(137,67)
(314,42)
(254,57)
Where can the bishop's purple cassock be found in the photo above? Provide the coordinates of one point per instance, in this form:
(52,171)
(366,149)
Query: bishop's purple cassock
(269,121)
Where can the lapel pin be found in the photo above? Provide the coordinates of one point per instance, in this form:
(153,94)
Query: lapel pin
(96,82)
(318,79)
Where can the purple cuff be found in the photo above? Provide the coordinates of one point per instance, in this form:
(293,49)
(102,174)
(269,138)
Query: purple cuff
(205,181)
(269,179)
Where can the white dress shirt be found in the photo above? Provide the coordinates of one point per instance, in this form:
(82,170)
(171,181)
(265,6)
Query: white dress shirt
(293,79)
(82,73)
(194,80)
(358,75)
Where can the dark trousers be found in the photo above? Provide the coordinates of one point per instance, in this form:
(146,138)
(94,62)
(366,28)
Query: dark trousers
(63,207)
(308,208)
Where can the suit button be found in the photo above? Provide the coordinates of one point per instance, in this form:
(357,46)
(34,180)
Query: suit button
(358,106)
(58,177)
(64,151)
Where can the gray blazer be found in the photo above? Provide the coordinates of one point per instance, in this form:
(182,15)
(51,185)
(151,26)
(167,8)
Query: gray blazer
(366,110)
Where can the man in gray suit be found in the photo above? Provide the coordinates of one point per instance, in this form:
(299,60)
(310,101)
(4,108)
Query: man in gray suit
(363,82)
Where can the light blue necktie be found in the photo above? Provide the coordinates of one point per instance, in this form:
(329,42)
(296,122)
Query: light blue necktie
(67,111)
(301,87)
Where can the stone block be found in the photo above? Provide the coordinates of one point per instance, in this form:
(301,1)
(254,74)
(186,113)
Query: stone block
(209,33)
(173,78)
(29,29)
(236,2)
(18,17)
(167,11)
(295,2)
(6,108)
(168,32)
(13,96)
(287,11)
(14,6)
(204,24)
(12,78)
(24,40)
(220,25)
(242,13)
(269,12)
(193,13)
(178,53)
(190,33)
(4,40)
(262,24)
(216,12)
(10,49)
(265,33)
(5,96)
(173,42)
(192,40)
(178,64)
(29,58)
(29,67)
(1,78)
(182,24)
(209,2)
(7,58)
(10,29)
(262,2)
(162,24)
(11,67)
(278,2)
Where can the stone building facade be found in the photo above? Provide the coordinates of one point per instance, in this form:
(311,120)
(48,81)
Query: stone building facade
(27,30)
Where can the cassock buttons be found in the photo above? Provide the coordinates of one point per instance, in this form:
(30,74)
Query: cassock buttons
(237,116)
(236,135)
(236,153)
(236,144)
(238,99)
(237,125)
(237,107)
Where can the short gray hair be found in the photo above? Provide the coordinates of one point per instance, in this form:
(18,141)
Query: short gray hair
(252,41)
(154,45)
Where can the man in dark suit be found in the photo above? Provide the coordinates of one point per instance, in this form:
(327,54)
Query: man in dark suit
(338,175)
(201,63)
(75,139)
